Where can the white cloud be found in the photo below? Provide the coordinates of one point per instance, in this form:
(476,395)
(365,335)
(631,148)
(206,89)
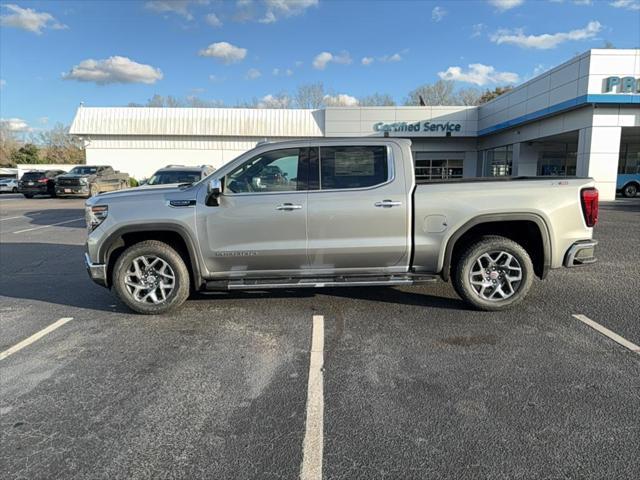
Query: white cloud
(288,72)
(275,71)
(367,61)
(322,59)
(546,40)
(478,74)
(224,52)
(396,57)
(15,124)
(277,9)
(477,29)
(438,13)
(43,120)
(215,78)
(504,5)
(272,101)
(114,69)
(627,4)
(179,7)
(28,19)
(213,20)
(3,82)
(340,100)
(253,73)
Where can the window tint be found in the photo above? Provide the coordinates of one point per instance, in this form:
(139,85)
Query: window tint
(32,175)
(275,171)
(174,176)
(353,167)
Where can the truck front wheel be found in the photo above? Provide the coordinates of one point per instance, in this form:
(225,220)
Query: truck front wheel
(494,273)
(151,278)
(630,190)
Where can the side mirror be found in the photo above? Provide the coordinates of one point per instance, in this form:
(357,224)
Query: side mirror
(214,190)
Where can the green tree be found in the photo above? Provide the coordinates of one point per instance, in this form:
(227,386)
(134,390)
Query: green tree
(28,153)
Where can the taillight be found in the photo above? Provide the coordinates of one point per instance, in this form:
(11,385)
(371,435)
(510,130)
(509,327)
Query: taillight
(42,180)
(589,200)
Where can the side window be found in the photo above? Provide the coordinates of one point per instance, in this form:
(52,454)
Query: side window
(353,167)
(275,171)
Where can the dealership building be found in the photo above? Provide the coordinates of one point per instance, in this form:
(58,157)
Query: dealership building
(581,118)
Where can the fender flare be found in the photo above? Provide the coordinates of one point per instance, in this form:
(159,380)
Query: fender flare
(499,217)
(105,249)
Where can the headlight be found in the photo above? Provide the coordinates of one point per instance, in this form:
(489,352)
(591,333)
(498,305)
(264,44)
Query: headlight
(83,181)
(95,216)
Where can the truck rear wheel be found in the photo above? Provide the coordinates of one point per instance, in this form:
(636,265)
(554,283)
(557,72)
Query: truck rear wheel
(151,278)
(630,190)
(494,273)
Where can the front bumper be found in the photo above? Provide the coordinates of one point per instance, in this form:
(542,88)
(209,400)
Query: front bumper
(581,253)
(97,271)
(72,191)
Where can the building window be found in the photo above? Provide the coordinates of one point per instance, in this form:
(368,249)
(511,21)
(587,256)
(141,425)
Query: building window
(558,160)
(435,166)
(498,161)
(629,159)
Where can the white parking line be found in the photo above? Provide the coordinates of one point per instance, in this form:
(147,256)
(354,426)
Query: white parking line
(605,331)
(313,437)
(47,226)
(11,218)
(36,336)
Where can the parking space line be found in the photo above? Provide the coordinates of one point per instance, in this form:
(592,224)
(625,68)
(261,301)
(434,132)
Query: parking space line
(51,225)
(311,468)
(605,331)
(36,336)
(11,218)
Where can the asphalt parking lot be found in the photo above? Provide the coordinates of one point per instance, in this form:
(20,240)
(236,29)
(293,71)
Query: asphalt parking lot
(415,384)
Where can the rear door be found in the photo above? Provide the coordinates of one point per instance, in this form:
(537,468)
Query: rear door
(359,216)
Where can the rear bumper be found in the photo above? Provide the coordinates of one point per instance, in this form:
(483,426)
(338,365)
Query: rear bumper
(97,271)
(581,253)
(34,190)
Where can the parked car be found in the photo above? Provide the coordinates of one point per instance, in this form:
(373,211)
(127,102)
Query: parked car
(89,180)
(355,215)
(629,183)
(178,174)
(8,185)
(39,182)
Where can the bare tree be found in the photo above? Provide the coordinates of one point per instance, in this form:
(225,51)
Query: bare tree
(58,146)
(310,95)
(489,95)
(9,143)
(377,100)
(439,93)
(469,96)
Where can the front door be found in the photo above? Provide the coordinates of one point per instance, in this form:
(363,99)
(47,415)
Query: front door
(358,219)
(259,226)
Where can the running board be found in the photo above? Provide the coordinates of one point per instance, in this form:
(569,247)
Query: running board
(362,281)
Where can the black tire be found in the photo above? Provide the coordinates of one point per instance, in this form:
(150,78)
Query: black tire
(630,190)
(461,275)
(163,251)
(28,195)
(14,190)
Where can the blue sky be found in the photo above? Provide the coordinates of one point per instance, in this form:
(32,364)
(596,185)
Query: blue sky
(55,54)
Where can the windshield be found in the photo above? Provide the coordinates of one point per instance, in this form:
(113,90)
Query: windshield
(174,176)
(83,170)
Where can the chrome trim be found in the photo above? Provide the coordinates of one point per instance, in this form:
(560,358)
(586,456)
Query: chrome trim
(289,207)
(97,271)
(387,204)
(570,257)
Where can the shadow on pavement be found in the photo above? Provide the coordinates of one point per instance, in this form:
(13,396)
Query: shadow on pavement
(55,273)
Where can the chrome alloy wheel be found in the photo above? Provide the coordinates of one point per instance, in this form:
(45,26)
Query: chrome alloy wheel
(496,276)
(150,279)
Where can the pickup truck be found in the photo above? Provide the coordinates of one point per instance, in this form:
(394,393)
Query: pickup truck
(343,212)
(89,180)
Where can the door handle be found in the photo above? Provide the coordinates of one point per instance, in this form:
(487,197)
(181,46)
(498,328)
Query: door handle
(288,207)
(387,204)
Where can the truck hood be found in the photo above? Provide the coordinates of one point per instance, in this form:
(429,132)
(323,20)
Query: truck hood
(74,176)
(160,191)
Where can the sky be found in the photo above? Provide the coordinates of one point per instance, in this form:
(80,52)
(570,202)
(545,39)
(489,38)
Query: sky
(56,54)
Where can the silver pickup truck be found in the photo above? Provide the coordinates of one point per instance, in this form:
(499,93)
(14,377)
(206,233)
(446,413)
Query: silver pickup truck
(343,212)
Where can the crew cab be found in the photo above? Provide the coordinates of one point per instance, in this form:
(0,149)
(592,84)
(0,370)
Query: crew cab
(89,180)
(337,212)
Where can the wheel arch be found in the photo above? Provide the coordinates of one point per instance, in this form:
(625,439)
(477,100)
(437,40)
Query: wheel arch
(516,226)
(174,235)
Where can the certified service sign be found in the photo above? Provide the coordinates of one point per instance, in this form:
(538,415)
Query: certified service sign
(417,127)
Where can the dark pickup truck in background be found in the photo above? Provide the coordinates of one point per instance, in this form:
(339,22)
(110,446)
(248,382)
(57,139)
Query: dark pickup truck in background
(87,181)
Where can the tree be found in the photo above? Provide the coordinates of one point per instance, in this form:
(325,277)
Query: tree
(439,93)
(489,95)
(58,146)
(9,143)
(310,96)
(28,153)
(469,96)
(377,100)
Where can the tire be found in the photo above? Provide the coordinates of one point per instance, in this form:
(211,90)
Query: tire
(504,286)
(145,302)
(14,190)
(28,195)
(630,190)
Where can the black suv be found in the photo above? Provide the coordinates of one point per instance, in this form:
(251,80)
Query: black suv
(39,182)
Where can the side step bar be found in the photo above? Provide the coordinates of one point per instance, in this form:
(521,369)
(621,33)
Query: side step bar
(361,281)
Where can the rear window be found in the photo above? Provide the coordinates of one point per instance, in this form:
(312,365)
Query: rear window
(174,176)
(353,167)
(83,170)
(32,176)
